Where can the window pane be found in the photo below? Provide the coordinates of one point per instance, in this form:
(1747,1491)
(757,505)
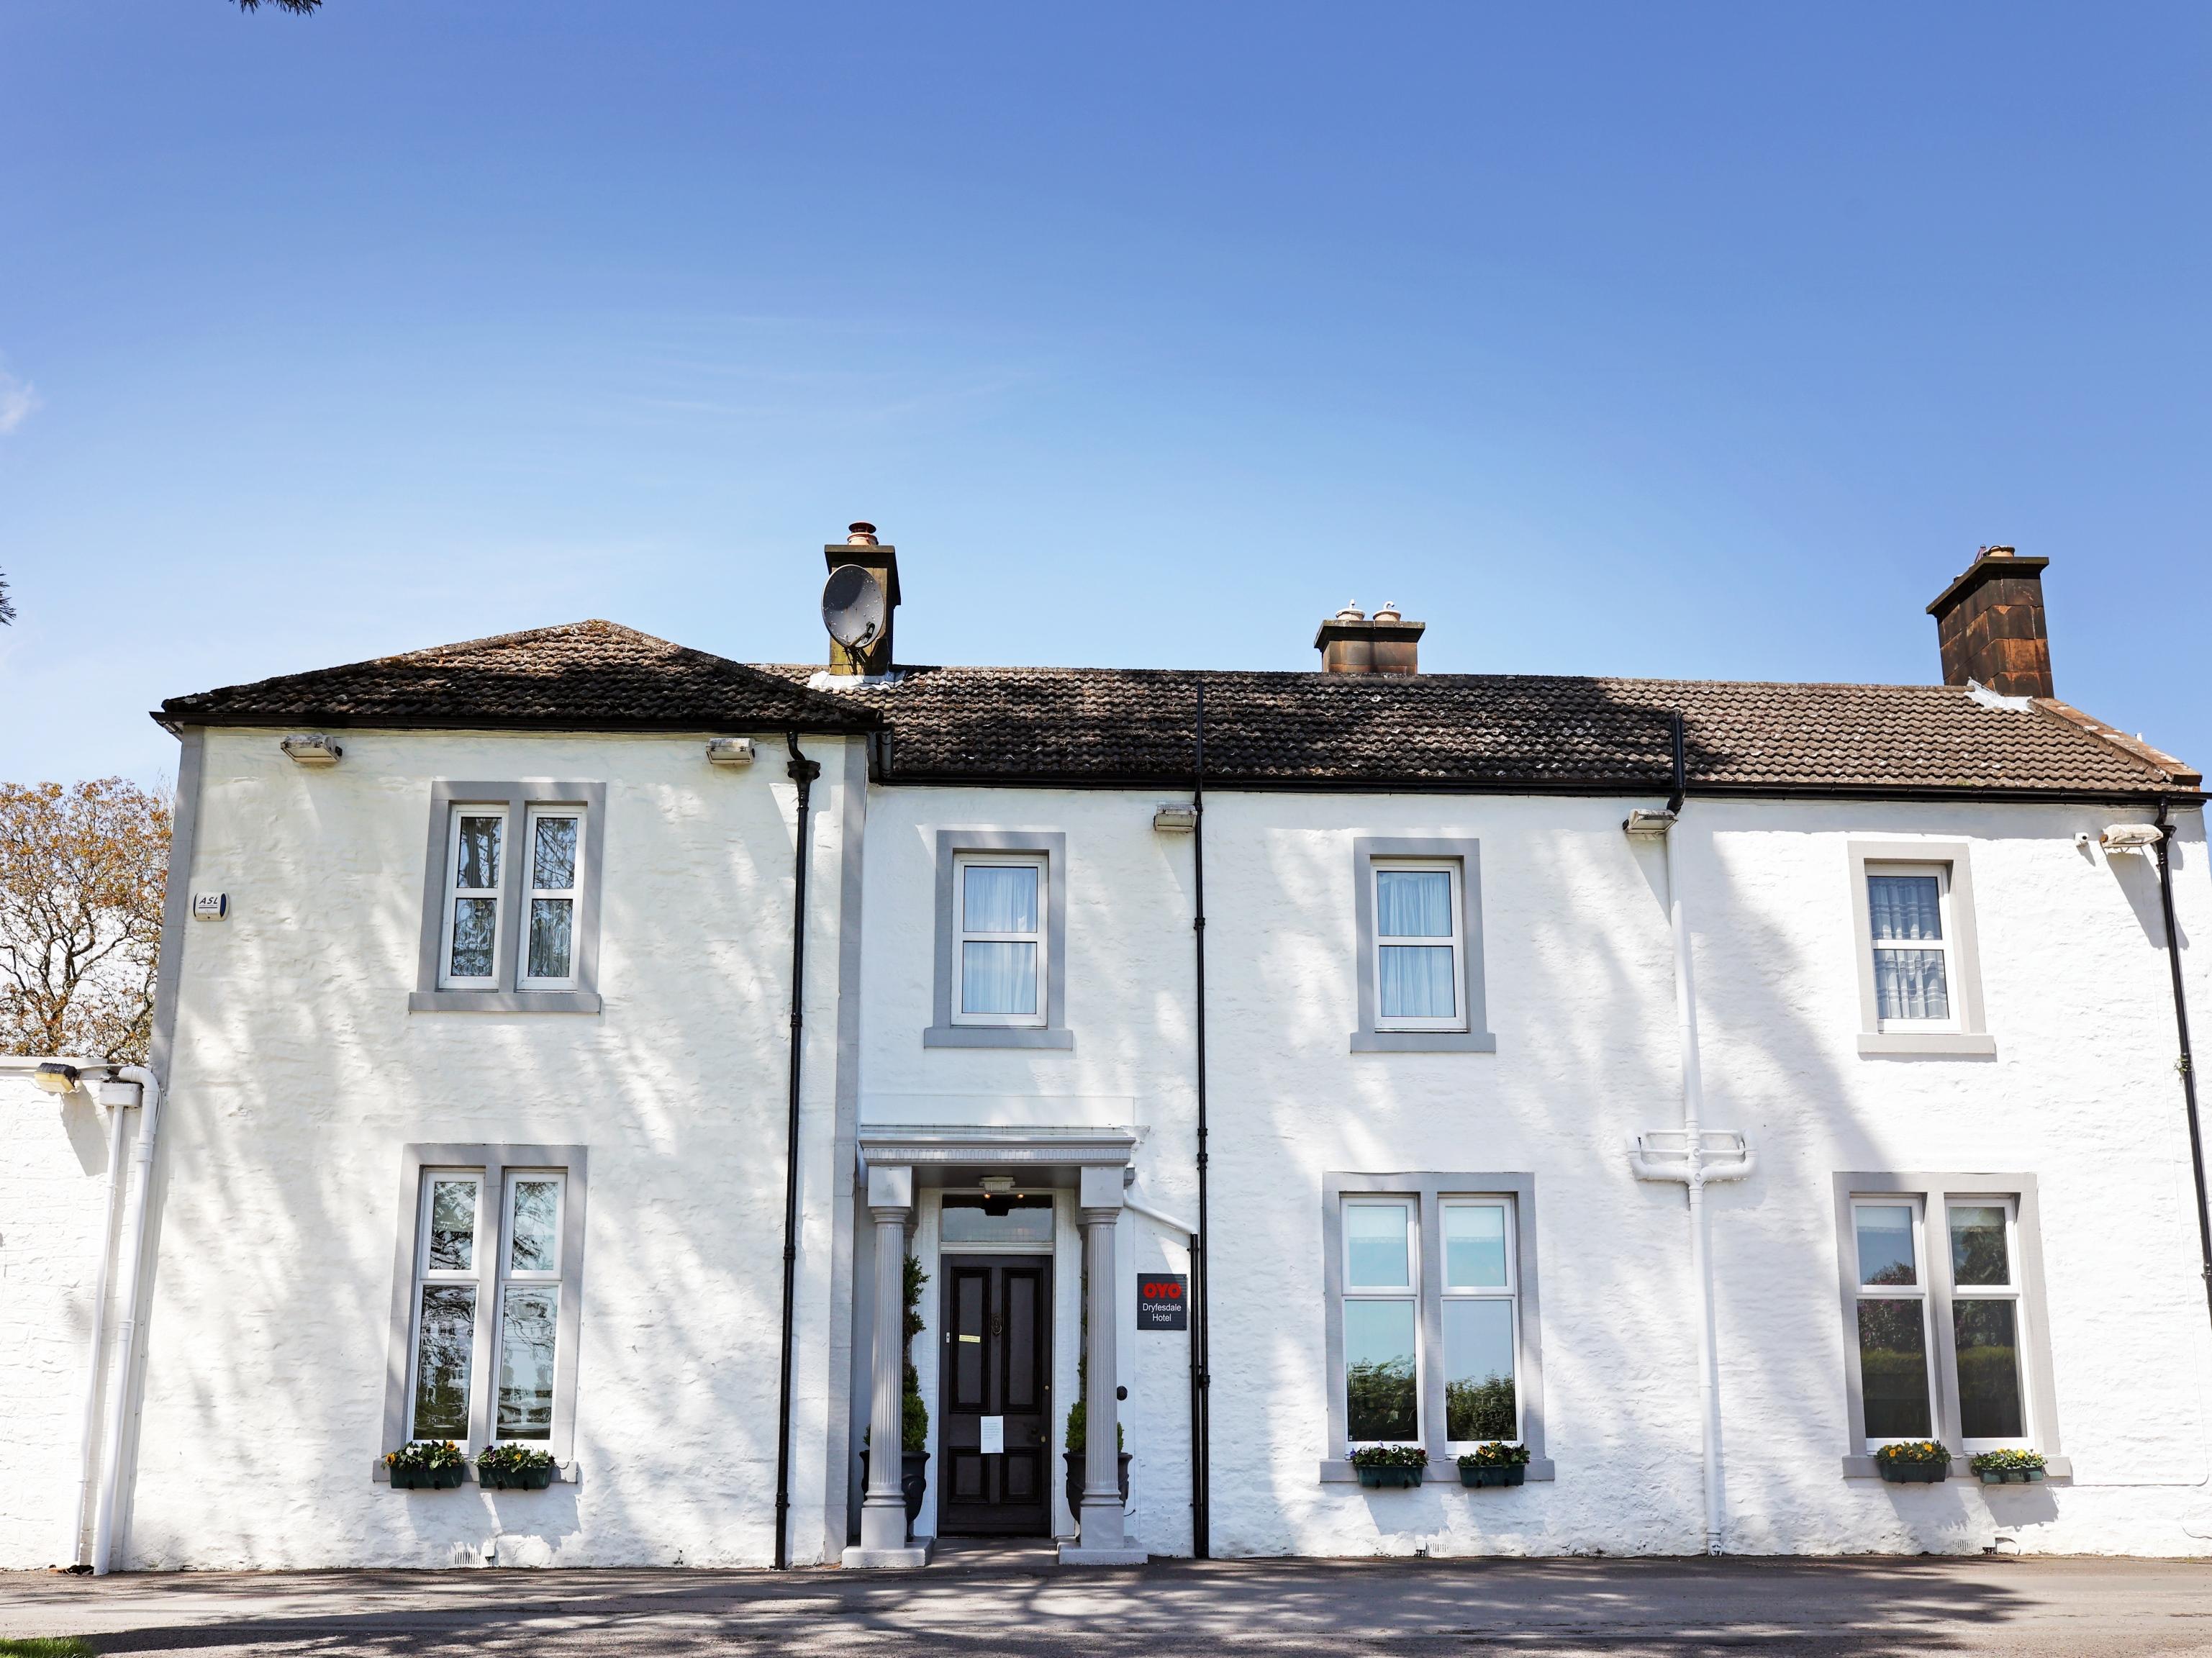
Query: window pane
(1378,1370)
(1978,1254)
(525,1363)
(1000,899)
(1024,1219)
(554,866)
(445,1336)
(1475,1246)
(1412,903)
(998,978)
(1886,1244)
(1417,982)
(452,1226)
(1911,984)
(534,1243)
(1374,1239)
(1905,906)
(477,864)
(1989,1368)
(475,922)
(550,922)
(1893,1369)
(1478,1370)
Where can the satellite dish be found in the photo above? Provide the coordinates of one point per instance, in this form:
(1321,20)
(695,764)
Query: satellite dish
(852,607)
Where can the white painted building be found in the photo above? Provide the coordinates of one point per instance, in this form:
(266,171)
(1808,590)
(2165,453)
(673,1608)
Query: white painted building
(478,1098)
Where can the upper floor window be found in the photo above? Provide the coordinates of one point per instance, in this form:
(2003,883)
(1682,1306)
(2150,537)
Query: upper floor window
(1906,904)
(1919,977)
(1419,914)
(1002,954)
(511,919)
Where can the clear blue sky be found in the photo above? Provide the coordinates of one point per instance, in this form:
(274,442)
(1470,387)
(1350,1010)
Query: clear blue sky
(1688,340)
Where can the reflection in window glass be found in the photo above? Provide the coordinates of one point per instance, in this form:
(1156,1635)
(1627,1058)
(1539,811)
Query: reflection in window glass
(1989,1368)
(1378,1371)
(1886,1244)
(1978,1256)
(1893,1369)
(476,923)
(445,1336)
(476,867)
(1478,1399)
(535,1243)
(1024,1218)
(551,925)
(1374,1240)
(1475,1246)
(553,867)
(452,1226)
(526,1363)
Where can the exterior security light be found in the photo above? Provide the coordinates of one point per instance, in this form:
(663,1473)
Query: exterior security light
(55,1077)
(1646,822)
(311,749)
(2132,837)
(730,750)
(1174,817)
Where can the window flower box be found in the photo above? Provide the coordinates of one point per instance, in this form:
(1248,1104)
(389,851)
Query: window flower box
(1495,1464)
(1915,1462)
(1389,1468)
(515,1468)
(427,1465)
(2008,1467)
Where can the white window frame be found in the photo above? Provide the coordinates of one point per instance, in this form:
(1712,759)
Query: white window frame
(531,892)
(2007,1291)
(427,1278)
(1916,1291)
(1447,1291)
(454,892)
(1456,941)
(510,1276)
(1410,1294)
(961,937)
(1965,1035)
(1943,947)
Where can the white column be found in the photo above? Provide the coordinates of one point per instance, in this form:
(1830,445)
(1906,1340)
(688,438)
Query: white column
(1101,1541)
(883,1508)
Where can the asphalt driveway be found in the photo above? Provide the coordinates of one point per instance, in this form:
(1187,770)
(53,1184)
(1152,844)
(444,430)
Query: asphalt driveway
(1012,1605)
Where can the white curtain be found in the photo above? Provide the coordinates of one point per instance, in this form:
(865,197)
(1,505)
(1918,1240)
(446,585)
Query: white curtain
(1417,982)
(1000,899)
(998,978)
(1412,903)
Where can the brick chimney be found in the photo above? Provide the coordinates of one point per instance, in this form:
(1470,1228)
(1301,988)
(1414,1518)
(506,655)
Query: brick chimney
(1988,624)
(862,553)
(1352,641)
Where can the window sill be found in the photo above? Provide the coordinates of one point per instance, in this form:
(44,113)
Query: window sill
(995,1035)
(564,1473)
(1862,1467)
(503,1001)
(1442,1470)
(1424,1042)
(1955,1044)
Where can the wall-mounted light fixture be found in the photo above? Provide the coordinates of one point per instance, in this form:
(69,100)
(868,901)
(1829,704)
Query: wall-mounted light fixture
(56,1077)
(2132,837)
(311,749)
(1175,817)
(1646,822)
(730,750)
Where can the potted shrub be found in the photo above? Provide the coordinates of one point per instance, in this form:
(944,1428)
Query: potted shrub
(515,1468)
(1914,1462)
(1388,1468)
(2008,1467)
(1497,1463)
(427,1465)
(1078,1439)
(914,1415)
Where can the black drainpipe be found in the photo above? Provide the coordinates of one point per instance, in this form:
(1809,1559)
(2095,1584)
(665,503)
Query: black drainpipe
(2188,1065)
(802,772)
(1201,1523)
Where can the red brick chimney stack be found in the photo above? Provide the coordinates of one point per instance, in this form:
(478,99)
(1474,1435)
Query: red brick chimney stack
(1988,624)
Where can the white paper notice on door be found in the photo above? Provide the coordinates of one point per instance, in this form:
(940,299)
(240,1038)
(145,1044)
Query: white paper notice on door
(994,1436)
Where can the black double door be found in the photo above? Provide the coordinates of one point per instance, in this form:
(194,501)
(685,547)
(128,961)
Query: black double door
(995,1410)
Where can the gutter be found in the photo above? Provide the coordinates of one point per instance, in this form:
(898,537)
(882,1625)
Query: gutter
(803,771)
(134,1228)
(2186,1065)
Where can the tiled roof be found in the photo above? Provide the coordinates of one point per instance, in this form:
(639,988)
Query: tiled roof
(1489,732)
(1098,725)
(583,676)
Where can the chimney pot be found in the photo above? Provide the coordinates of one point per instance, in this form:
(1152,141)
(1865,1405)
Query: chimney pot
(859,535)
(1989,625)
(1389,612)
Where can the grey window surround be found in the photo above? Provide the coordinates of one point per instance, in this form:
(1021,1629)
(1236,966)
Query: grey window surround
(1972,1039)
(1477,1037)
(1934,1190)
(495,1160)
(518,798)
(1431,1189)
(1054,1033)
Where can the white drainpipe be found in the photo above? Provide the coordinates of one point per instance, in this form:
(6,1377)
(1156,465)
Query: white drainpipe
(1692,1156)
(134,1229)
(89,1440)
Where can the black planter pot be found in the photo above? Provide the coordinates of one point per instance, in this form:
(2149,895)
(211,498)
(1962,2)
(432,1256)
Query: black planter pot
(1388,1478)
(1913,1473)
(914,1479)
(514,1480)
(1075,1460)
(1499,1473)
(429,1479)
